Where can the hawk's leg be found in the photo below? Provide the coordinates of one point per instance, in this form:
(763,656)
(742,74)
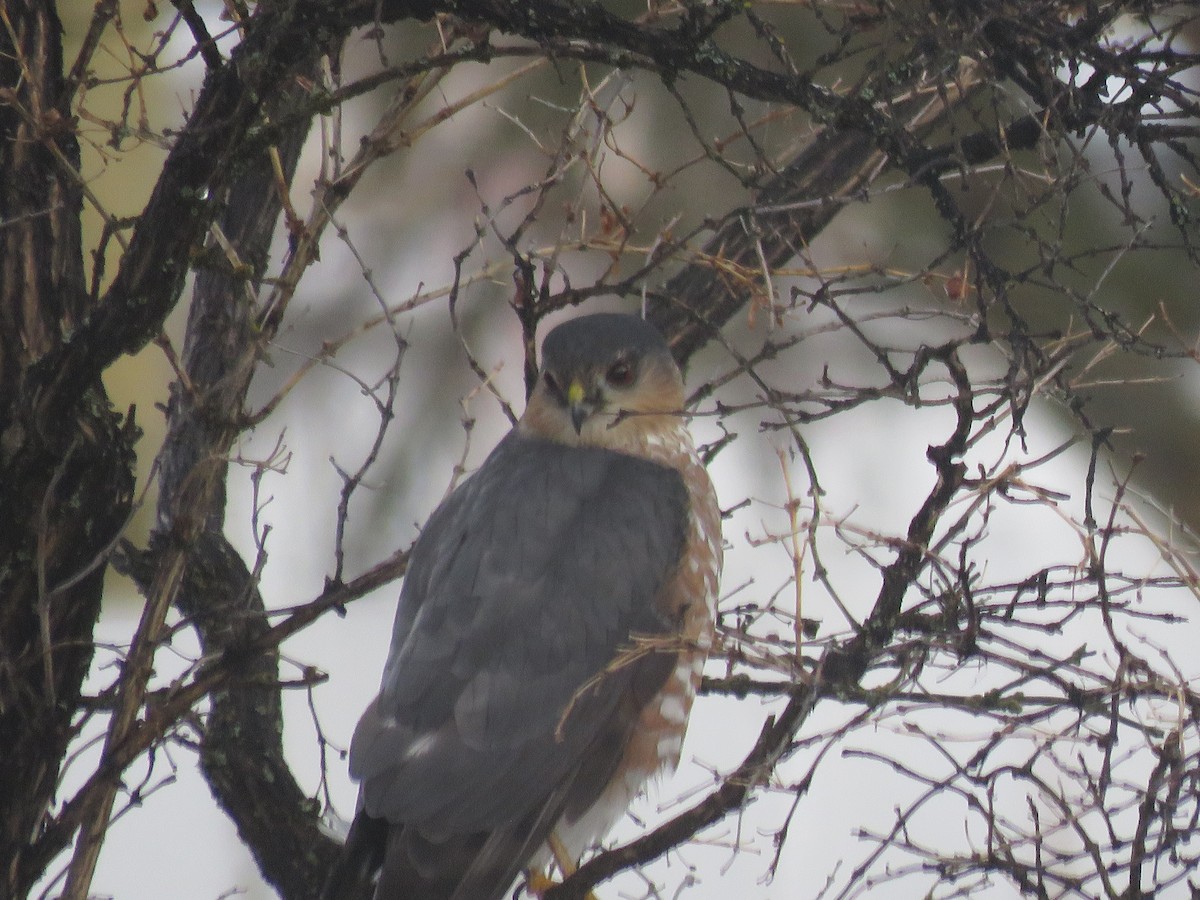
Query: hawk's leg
(539,882)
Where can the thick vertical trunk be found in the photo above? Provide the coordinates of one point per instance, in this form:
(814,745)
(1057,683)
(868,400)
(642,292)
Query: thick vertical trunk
(65,462)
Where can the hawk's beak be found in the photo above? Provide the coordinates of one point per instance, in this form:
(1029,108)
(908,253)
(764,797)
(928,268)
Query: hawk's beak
(578,407)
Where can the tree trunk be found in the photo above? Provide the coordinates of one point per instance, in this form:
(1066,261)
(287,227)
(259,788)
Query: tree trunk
(66,462)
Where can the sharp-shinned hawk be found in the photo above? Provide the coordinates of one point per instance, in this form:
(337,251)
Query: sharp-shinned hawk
(550,633)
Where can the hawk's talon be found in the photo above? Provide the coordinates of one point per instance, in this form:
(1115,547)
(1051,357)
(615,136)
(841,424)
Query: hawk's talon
(538,882)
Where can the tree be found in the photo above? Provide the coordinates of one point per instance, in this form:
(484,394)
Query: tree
(1025,175)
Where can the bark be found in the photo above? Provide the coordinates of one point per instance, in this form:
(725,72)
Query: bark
(65,462)
(241,753)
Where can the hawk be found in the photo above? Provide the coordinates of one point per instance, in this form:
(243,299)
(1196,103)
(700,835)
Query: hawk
(550,635)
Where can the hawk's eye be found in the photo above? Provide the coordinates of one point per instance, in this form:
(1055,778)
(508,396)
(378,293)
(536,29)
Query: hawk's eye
(552,384)
(620,374)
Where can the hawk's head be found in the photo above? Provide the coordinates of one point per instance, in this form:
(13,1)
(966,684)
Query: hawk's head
(604,379)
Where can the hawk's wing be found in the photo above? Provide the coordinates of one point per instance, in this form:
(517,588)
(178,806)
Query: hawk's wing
(524,586)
